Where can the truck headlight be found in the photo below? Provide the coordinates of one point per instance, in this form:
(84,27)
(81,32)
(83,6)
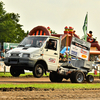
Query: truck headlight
(7,55)
(26,55)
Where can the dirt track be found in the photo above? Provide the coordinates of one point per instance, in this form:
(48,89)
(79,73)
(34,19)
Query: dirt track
(44,94)
(35,80)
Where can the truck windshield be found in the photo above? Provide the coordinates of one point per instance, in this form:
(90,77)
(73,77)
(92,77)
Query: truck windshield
(32,42)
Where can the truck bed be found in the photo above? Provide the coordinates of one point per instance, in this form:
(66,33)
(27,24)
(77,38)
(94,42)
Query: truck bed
(82,65)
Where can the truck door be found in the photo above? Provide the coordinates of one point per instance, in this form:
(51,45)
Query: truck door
(51,55)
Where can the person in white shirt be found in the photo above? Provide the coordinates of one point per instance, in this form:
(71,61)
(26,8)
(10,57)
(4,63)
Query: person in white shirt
(98,59)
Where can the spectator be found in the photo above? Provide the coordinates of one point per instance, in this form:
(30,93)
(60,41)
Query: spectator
(63,57)
(98,59)
(3,55)
(11,48)
(50,45)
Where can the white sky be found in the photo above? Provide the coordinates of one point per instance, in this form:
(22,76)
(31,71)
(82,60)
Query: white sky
(57,14)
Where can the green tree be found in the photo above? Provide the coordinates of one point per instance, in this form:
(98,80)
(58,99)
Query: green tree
(10,29)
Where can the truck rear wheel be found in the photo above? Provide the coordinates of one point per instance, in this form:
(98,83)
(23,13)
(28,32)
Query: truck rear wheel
(89,78)
(38,70)
(72,77)
(67,77)
(14,71)
(77,77)
(54,77)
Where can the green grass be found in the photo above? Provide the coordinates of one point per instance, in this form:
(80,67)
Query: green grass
(30,73)
(6,74)
(9,75)
(55,86)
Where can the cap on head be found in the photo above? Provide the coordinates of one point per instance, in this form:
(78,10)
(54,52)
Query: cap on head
(90,32)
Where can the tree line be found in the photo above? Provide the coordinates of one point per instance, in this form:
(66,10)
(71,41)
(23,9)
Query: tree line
(10,29)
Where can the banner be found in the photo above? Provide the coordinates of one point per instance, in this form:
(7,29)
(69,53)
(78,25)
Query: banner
(85,27)
(7,46)
(80,48)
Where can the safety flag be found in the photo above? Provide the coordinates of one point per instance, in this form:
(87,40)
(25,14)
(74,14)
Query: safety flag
(85,27)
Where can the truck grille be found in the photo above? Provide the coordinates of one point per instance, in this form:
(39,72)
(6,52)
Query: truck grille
(13,60)
(15,54)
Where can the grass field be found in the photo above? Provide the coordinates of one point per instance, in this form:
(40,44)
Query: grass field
(29,73)
(9,75)
(2,74)
(55,86)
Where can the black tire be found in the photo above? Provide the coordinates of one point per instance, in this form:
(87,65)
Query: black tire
(14,71)
(54,77)
(67,77)
(90,78)
(77,77)
(72,78)
(38,71)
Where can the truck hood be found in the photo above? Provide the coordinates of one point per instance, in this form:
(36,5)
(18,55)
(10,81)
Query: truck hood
(23,50)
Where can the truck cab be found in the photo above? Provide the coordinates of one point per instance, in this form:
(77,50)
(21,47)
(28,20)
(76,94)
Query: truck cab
(34,54)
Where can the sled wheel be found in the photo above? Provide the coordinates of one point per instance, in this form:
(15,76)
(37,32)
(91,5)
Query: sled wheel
(54,77)
(38,71)
(14,71)
(90,78)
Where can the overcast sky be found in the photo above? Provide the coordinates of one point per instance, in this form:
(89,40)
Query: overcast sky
(57,14)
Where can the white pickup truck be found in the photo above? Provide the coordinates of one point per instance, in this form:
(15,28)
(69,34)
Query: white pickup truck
(34,55)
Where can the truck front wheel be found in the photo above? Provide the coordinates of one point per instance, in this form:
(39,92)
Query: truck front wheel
(38,70)
(14,72)
(54,77)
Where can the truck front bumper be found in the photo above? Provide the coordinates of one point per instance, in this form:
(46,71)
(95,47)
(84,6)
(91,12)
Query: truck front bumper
(19,62)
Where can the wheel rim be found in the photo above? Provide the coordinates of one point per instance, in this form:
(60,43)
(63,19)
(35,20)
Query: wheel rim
(91,79)
(79,77)
(39,70)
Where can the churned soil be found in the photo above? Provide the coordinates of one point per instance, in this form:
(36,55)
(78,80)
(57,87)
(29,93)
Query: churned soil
(51,94)
(31,93)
